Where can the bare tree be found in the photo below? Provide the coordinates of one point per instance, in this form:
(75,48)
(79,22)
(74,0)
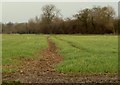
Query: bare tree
(49,13)
(83,16)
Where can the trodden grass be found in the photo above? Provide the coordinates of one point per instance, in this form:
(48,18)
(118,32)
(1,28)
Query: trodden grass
(15,47)
(87,54)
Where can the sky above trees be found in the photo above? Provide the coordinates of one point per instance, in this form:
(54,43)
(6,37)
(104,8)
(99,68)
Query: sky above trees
(23,11)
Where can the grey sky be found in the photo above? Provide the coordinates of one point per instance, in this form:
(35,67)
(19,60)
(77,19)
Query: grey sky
(23,11)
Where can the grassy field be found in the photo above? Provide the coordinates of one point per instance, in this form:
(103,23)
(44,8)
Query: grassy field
(82,54)
(87,54)
(15,47)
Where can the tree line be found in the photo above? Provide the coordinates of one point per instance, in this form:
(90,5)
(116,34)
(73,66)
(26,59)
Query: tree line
(96,20)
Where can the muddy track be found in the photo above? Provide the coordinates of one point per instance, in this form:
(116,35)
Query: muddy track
(42,70)
(38,71)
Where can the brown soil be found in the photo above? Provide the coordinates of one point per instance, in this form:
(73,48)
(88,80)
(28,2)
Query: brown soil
(42,70)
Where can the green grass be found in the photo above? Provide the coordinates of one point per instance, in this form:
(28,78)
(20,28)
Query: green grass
(15,47)
(82,53)
(87,54)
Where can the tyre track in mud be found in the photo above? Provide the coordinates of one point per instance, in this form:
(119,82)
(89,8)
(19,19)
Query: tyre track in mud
(43,71)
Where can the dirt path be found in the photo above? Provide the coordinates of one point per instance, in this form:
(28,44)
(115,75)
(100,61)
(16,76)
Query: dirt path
(42,70)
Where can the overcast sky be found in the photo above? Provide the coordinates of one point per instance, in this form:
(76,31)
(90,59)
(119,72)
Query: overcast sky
(23,11)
